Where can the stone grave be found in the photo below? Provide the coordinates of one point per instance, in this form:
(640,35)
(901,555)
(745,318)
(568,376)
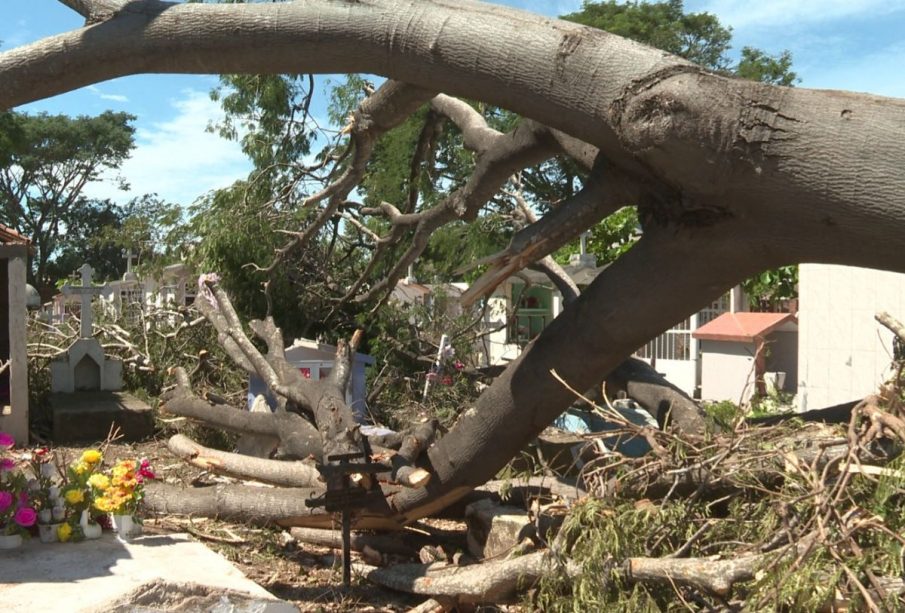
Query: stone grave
(153,573)
(86,385)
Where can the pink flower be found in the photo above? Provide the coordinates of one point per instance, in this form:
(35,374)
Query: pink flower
(6,440)
(6,501)
(6,465)
(144,470)
(459,365)
(447,380)
(23,499)
(25,517)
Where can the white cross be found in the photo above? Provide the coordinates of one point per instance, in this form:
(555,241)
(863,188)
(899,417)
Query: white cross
(86,291)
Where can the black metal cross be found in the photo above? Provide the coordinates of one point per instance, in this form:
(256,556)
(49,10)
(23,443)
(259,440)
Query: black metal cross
(343,497)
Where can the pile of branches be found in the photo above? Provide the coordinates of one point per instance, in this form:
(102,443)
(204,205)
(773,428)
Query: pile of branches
(790,516)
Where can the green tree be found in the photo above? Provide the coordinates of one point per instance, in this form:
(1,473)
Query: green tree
(49,160)
(699,37)
(84,241)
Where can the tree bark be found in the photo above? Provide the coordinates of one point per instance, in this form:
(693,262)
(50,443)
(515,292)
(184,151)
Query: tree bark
(274,472)
(663,400)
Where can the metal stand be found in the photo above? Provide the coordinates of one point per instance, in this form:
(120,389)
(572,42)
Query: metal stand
(343,497)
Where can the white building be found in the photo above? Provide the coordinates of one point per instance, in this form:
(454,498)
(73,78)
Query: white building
(844,353)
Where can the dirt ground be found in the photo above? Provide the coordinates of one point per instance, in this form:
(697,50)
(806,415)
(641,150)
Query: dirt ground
(306,575)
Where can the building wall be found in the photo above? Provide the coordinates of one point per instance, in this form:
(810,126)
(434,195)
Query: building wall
(727,370)
(844,354)
(14,416)
(782,356)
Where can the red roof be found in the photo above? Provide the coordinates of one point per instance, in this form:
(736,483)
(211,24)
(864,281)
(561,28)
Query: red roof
(8,236)
(742,327)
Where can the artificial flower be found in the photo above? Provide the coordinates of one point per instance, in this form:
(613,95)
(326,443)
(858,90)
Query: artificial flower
(64,532)
(81,468)
(7,464)
(144,469)
(74,497)
(104,504)
(6,440)
(6,500)
(25,517)
(99,481)
(91,456)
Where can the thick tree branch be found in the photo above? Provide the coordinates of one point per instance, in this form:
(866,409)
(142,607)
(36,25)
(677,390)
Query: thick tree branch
(274,472)
(95,11)
(601,195)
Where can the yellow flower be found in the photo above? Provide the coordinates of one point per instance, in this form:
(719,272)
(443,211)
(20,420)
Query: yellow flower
(74,496)
(91,456)
(99,481)
(124,467)
(104,504)
(81,468)
(64,531)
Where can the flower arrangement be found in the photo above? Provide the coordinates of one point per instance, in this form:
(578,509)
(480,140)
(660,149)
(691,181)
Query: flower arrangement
(17,512)
(78,492)
(121,490)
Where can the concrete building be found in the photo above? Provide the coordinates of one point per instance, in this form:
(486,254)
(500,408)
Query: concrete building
(844,354)
(315,361)
(740,351)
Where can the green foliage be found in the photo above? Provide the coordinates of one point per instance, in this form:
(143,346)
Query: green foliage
(83,242)
(267,114)
(610,238)
(725,413)
(403,339)
(856,523)
(769,289)
(48,161)
(699,37)
(756,65)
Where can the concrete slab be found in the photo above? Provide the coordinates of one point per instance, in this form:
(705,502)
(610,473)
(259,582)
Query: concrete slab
(88,576)
(88,416)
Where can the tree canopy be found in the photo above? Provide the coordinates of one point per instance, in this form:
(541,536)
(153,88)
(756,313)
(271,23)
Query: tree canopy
(49,160)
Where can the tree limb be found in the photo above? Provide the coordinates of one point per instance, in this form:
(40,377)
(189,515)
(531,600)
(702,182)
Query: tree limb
(274,472)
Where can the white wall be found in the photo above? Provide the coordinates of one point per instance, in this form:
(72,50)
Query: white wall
(727,370)
(844,354)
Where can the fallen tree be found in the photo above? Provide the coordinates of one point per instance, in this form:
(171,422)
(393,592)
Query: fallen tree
(730,177)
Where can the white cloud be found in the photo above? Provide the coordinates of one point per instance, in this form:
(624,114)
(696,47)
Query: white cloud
(742,14)
(177,158)
(114,97)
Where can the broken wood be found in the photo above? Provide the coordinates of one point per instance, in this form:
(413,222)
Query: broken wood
(274,472)
(403,542)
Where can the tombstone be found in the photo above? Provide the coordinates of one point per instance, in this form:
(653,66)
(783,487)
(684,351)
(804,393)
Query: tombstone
(14,250)
(315,361)
(85,384)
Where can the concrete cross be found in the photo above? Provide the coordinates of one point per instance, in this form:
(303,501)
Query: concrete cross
(86,291)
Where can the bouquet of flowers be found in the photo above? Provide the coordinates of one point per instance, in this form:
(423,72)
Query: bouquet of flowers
(78,495)
(78,492)
(121,490)
(17,512)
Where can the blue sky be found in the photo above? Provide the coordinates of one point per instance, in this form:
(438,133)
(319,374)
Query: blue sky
(856,45)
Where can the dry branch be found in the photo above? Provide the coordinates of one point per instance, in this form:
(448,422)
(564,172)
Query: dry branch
(274,472)
(893,324)
(403,543)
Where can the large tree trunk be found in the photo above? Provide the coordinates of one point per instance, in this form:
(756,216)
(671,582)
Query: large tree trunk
(732,177)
